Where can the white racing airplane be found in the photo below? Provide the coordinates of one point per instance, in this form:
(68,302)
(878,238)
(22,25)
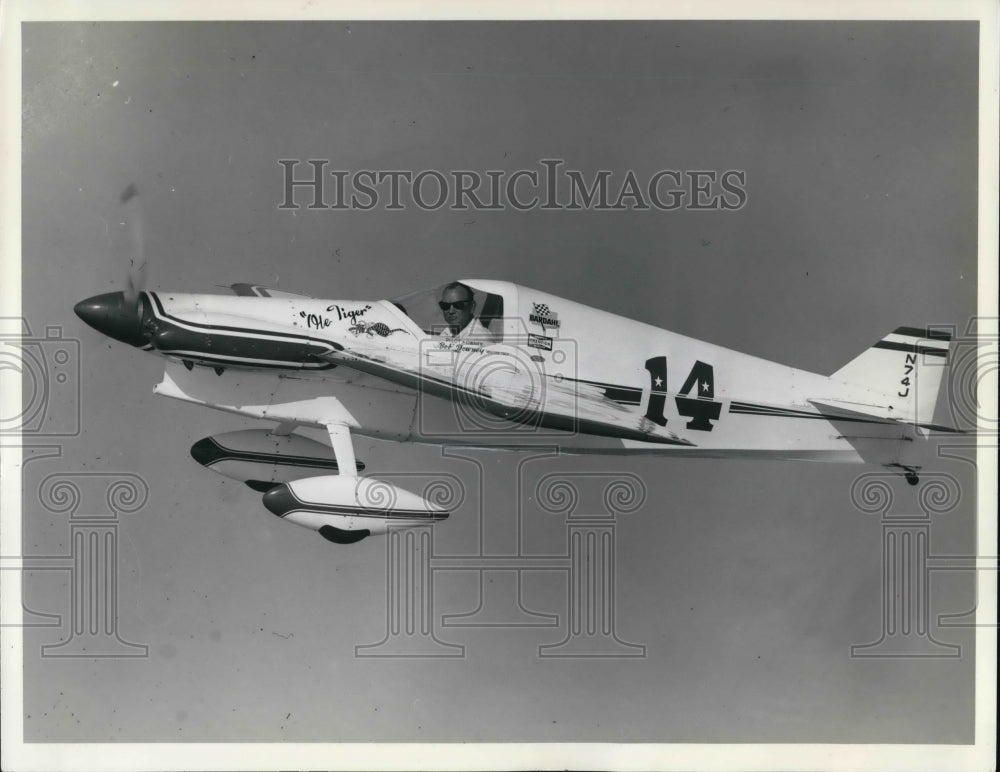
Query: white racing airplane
(495,364)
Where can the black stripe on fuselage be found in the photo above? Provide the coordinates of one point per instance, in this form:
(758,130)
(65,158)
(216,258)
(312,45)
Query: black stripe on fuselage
(243,361)
(751,407)
(253,348)
(623,395)
(164,314)
(748,408)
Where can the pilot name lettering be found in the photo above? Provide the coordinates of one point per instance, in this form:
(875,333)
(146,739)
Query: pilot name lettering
(471,347)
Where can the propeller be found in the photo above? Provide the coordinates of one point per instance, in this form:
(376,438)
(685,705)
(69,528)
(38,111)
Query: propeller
(117,314)
(132,214)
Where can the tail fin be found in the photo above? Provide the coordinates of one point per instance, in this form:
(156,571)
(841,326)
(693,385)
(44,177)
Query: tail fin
(905,366)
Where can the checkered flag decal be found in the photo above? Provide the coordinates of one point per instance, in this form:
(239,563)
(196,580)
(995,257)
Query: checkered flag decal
(543,315)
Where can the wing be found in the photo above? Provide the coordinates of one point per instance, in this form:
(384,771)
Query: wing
(577,406)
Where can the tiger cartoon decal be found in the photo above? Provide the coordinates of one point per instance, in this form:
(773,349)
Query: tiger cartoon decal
(371,329)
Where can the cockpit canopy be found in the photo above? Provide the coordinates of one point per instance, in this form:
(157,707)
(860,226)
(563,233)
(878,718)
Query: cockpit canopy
(422,307)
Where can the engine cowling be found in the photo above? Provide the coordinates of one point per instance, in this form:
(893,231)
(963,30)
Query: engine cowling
(262,459)
(347,509)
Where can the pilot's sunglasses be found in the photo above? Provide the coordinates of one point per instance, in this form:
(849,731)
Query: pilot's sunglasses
(461,305)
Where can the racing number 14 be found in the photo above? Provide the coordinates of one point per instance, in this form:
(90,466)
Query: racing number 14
(700,406)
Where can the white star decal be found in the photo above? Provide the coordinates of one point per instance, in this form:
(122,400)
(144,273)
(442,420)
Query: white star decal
(704,386)
(658,381)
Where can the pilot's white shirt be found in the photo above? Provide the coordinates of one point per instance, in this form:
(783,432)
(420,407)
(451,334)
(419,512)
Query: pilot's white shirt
(474,330)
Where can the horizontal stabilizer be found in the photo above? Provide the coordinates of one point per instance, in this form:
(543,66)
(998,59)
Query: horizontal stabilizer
(856,413)
(851,411)
(876,442)
(938,429)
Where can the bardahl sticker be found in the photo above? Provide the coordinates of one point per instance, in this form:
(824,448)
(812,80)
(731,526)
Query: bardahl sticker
(543,315)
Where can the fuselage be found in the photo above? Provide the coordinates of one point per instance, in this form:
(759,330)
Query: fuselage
(558,372)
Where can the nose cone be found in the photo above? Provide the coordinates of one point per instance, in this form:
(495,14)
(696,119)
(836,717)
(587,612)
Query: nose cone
(111,315)
(207,451)
(280,501)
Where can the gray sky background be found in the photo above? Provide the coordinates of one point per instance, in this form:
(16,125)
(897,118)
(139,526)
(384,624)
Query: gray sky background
(747,581)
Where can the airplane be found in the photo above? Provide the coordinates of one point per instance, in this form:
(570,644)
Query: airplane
(543,369)
(491,364)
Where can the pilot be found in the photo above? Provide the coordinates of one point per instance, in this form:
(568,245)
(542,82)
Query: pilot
(458,306)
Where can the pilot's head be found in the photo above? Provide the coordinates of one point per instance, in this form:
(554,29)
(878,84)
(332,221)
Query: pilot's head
(458,306)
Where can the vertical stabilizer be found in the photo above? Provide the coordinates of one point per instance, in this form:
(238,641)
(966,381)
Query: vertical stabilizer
(906,365)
